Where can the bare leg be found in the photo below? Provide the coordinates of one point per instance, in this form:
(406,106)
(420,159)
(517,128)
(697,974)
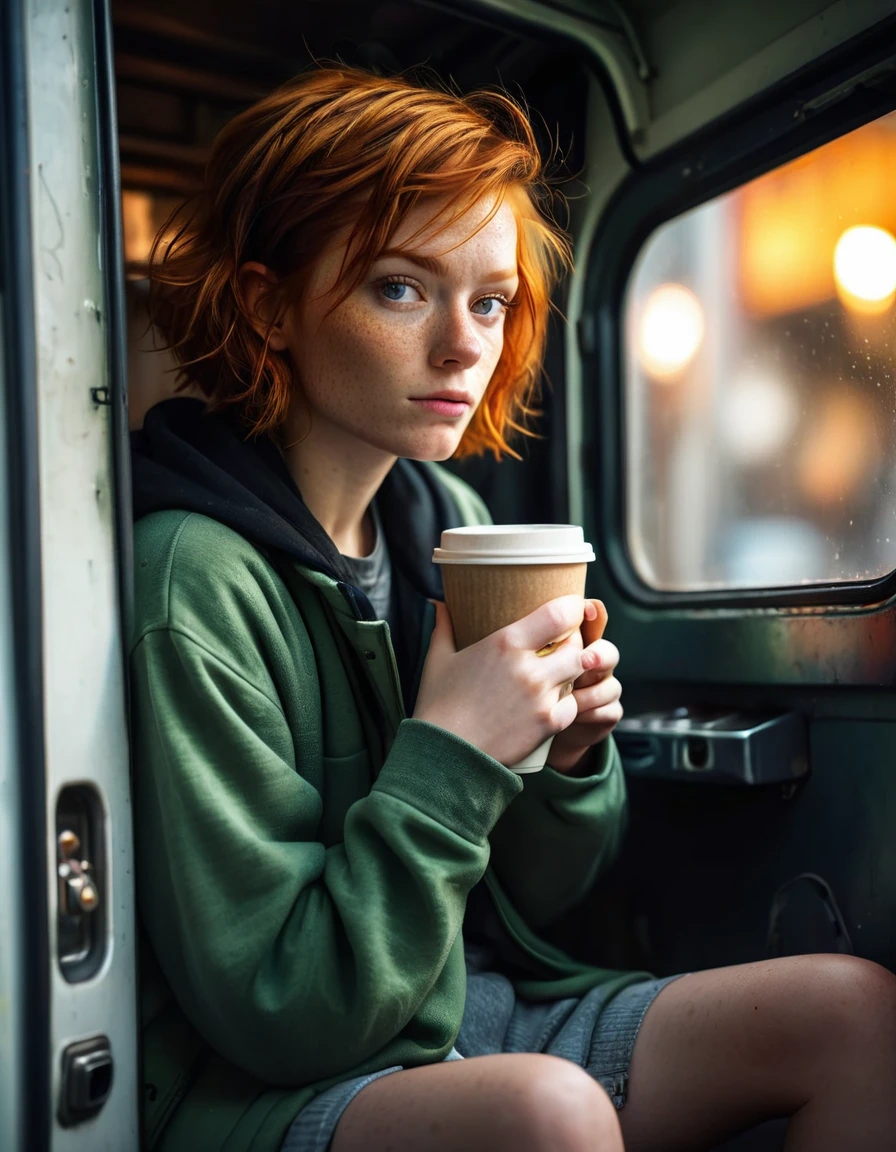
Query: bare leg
(810,1037)
(510,1103)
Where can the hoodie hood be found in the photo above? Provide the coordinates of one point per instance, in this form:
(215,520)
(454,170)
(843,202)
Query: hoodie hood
(184,458)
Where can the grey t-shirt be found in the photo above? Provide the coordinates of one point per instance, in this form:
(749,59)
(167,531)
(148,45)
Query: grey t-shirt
(373,573)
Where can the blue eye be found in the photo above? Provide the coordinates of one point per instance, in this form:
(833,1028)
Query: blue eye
(399,292)
(493,305)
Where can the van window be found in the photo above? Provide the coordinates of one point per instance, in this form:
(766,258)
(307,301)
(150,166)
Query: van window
(759,359)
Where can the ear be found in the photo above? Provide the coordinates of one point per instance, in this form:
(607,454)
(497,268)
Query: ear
(255,283)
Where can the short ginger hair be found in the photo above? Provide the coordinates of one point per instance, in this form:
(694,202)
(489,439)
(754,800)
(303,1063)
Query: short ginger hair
(341,149)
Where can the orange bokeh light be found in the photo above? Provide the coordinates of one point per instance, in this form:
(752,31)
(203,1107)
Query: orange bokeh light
(792,218)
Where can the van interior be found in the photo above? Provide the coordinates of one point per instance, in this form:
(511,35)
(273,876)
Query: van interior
(719,413)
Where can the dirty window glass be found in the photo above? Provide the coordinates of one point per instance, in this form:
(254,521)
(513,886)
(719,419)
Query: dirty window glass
(760,351)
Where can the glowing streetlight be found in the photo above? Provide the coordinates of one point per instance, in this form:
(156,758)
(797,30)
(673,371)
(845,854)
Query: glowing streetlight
(865,268)
(671,331)
(758,417)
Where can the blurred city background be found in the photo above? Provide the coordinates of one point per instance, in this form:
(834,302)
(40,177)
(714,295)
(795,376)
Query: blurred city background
(760,406)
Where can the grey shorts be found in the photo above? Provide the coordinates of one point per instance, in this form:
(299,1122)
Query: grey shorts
(595,1034)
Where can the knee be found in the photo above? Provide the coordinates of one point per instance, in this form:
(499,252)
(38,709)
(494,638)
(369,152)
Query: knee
(566,1111)
(860,1001)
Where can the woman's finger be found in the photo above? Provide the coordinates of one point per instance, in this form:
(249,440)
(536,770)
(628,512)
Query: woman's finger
(607,655)
(547,625)
(593,628)
(598,695)
(607,716)
(607,658)
(562,666)
(442,639)
(564,712)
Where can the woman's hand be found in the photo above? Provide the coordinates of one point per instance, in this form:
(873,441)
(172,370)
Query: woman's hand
(498,694)
(597,694)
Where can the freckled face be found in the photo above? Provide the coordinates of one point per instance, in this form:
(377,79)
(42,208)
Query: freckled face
(403,362)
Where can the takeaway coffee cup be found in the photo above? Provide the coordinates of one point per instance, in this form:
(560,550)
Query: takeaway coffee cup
(495,574)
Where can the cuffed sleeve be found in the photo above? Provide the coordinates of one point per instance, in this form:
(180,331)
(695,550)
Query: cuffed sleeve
(559,834)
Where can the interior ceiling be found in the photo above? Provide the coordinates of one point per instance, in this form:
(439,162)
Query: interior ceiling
(185,67)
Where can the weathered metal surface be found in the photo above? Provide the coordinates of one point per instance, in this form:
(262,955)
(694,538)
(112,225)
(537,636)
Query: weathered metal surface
(85,730)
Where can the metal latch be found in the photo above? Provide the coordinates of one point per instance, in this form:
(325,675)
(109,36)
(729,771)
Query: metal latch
(81,882)
(77,891)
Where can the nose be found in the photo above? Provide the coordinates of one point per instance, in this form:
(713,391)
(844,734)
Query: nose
(455,342)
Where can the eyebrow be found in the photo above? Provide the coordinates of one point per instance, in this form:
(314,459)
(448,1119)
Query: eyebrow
(437,267)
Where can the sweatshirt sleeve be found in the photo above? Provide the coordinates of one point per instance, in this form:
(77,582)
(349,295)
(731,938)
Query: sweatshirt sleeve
(559,834)
(298,960)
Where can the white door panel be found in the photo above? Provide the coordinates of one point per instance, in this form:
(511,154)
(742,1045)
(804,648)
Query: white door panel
(85,728)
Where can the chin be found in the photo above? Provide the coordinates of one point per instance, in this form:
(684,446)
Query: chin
(433,449)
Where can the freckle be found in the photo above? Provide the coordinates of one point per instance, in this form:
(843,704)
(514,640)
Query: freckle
(755,1007)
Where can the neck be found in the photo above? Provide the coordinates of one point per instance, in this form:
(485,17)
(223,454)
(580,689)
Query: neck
(338,476)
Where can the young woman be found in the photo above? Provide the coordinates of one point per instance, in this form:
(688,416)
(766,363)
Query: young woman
(343,889)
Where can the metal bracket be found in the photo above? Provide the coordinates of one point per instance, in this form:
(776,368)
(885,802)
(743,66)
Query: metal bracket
(77,891)
(721,746)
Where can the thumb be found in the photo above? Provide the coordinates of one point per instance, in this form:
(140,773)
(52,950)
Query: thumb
(593,630)
(442,639)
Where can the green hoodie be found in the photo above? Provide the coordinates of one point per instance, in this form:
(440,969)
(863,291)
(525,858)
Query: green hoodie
(305,851)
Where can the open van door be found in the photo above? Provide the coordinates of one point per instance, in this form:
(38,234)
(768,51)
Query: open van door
(67,950)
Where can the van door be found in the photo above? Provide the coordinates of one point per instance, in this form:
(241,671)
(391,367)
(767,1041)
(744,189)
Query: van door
(68,1028)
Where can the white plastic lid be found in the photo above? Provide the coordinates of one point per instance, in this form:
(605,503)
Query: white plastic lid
(514,544)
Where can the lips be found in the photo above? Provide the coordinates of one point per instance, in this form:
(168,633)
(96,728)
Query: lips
(450,404)
(450,395)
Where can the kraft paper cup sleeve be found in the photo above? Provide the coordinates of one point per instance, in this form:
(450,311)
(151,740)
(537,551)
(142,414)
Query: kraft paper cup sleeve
(483,598)
(494,575)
